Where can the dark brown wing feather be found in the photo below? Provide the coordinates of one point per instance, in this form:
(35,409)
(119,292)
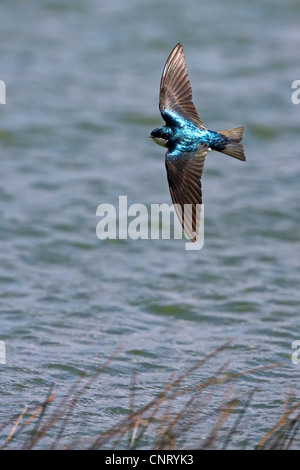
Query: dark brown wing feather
(184,177)
(175,88)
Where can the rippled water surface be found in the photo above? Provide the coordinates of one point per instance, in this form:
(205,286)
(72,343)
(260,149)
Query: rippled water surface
(82,84)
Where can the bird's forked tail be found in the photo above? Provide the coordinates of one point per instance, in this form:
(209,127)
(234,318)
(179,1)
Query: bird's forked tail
(234,148)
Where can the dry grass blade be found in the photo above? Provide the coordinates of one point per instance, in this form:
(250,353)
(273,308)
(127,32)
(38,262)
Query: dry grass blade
(225,411)
(164,422)
(238,421)
(281,424)
(14,427)
(40,413)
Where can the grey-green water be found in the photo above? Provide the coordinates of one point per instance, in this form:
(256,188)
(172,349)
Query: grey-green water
(82,84)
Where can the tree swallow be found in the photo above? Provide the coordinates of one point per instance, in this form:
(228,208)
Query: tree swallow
(187,141)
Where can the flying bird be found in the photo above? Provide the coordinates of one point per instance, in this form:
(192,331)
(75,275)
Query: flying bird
(187,141)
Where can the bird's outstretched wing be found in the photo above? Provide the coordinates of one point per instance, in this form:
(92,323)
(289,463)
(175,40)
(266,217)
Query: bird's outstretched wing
(184,176)
(176,90)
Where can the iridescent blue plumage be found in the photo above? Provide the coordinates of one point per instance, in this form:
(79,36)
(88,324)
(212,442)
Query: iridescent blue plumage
(187,140)
(183,136)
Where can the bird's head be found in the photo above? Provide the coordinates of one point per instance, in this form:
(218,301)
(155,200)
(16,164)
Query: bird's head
(161,135)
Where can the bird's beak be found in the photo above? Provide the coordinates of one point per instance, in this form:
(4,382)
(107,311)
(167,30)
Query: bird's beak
(150,136)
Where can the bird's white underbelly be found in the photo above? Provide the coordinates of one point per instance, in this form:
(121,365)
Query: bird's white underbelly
(160,141)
